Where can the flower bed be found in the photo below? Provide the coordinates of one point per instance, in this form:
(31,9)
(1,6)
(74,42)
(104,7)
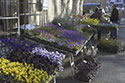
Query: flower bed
(41,58)
(70,39)
(9,44)
(15,72)
(51,62)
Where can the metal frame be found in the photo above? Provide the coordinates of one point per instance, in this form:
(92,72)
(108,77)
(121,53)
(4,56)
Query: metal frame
(27,12)
(7,15)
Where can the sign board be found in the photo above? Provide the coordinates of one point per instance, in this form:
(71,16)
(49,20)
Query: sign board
(45,4)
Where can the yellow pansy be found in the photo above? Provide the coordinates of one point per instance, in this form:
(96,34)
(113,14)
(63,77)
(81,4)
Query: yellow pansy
(23,72)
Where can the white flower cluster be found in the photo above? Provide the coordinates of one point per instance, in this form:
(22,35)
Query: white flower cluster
(28,26)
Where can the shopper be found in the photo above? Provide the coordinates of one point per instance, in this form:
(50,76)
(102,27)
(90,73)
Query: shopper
(96,14)
(114,19)
(114,15)
(101,9)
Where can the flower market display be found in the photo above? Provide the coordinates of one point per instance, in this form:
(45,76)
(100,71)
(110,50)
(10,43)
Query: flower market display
(90,21)
(41,58)
(15,72)
(7,45)
(95,24)
(59,36)
(23,52)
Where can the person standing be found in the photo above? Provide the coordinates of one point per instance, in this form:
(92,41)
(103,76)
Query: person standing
(96,15)
(114,14)
(114,19)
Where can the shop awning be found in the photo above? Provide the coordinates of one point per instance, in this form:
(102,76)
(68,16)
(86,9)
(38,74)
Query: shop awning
(91,4)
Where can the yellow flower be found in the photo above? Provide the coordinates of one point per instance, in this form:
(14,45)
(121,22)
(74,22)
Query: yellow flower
(23,72)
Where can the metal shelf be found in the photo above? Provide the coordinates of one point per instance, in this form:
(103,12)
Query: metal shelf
(29,11)
(28,3)
(8,8)
(8,33)
(29,14)
(7,18)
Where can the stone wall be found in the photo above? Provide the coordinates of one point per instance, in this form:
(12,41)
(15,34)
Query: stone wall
(60,8)
(57,8)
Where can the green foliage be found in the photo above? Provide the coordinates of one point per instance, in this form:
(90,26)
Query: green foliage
(67,22)
(89,29)
(110,45)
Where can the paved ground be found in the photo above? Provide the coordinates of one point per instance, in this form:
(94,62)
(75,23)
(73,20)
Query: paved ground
(112,65)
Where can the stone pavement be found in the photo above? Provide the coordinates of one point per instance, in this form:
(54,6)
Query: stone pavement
(112,65)
(112,68)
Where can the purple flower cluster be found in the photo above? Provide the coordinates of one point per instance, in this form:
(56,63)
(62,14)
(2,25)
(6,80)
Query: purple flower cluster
(70,34)
(9,44)
(69,38)
(46,36)
(74,35)
(24,52)
(54,57)
(61,36)
(16,43)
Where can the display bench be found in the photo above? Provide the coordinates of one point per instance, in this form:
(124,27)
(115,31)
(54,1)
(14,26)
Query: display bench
(63,48)
(100,28)
(70,53)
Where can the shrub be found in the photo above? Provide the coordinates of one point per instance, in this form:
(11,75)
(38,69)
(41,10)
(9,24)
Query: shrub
(110,45)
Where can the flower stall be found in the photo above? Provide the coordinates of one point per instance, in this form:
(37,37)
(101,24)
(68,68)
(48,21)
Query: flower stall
(93,25)
(21,61)
(65,35)
(68,41)
(36,64)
